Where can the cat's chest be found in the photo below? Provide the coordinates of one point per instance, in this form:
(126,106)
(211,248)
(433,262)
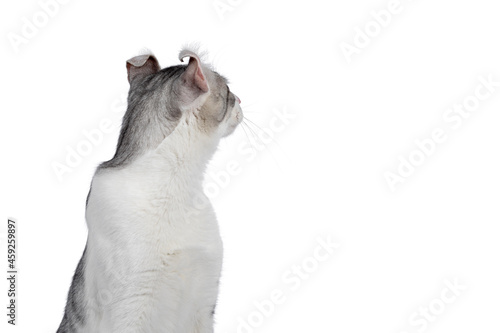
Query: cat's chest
(152,212)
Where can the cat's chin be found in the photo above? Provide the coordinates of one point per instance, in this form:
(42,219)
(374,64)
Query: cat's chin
(232,126)
(228,133)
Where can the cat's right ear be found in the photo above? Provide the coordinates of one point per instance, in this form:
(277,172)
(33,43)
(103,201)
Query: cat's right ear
(194,76)
(193,83)
(141,66)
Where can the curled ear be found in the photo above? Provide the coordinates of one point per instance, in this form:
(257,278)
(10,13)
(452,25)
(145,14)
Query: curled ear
(142,65)
(194,77)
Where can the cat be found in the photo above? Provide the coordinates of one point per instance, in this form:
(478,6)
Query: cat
(153,256)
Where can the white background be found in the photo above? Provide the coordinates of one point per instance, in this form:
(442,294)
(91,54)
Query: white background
(322,175)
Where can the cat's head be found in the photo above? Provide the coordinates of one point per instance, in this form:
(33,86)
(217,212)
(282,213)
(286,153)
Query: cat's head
(194,88)
(159,98)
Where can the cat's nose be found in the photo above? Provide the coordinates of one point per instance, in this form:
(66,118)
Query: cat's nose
(239,100)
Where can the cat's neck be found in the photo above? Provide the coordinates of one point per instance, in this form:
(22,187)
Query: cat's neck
(182,156)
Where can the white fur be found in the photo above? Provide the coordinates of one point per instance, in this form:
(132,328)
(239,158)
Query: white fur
(154,254)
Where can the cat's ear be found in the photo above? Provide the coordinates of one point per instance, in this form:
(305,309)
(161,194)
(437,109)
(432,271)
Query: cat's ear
(142,65)
(193,77)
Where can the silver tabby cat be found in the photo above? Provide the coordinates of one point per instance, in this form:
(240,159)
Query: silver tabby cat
(153,256)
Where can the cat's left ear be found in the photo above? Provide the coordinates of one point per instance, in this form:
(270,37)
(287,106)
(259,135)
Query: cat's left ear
(194,77)
(142,65)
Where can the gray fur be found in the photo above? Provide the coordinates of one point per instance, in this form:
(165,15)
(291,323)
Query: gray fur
(150,116)
(75,311)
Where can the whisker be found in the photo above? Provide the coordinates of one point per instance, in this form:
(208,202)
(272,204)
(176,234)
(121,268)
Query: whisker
(255,135)
(252,111)
(277,144)
(261,142)
(250,141)
(244,106)
(262,131)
